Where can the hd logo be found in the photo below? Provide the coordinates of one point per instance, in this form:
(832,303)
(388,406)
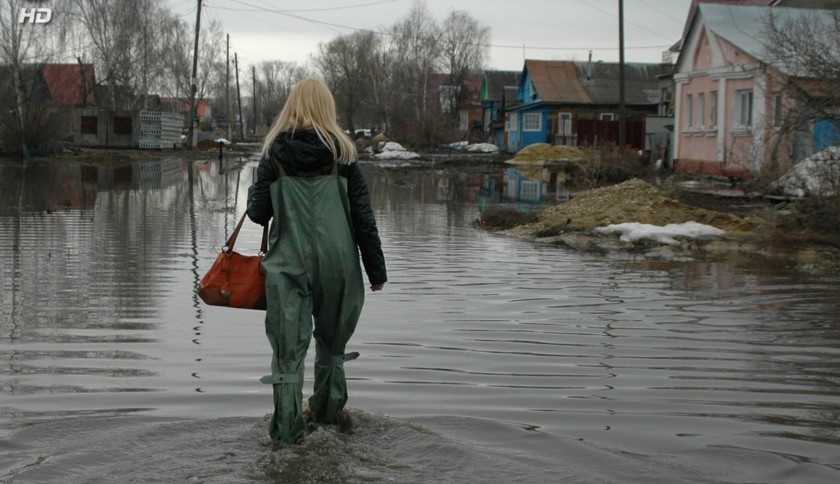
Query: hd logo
(35,15)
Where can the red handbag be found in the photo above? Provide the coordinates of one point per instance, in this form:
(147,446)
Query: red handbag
(236,280)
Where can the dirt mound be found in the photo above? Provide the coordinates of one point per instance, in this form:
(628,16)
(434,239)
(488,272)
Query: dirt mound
(631,201)
(547,152)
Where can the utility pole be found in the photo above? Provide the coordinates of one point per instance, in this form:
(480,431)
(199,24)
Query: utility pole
(227,87)
(194,78)
(254,82)
(622,116)
(239,98)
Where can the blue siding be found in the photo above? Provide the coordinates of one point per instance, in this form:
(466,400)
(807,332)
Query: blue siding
(826,133)
(531,137)
(531,102)
(526,93)
(520,138)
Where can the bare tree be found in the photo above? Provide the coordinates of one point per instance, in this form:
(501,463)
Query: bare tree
(151,17)
(111,27)
(22,46)
(346,64)
(806,46)
(807,49)
(380,63)
(416,42)
(275,80)
(464,50)
(177,41)
(177,38)
(139,48)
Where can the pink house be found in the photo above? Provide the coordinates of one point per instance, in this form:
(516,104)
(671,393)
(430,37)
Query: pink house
(730,102)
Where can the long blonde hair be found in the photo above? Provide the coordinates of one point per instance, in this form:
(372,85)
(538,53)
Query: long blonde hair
(311,106)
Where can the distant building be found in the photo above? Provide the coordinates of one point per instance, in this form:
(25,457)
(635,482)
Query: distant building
(731,102)
(203,109)
(497,95)
(54,92)
(459,101)
(577,103)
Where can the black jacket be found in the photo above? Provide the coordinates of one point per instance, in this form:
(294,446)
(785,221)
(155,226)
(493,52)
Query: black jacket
(303,154)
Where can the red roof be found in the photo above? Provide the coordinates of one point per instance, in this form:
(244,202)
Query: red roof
(69,84)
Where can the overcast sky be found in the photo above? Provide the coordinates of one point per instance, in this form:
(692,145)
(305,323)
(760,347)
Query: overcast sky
(290,30)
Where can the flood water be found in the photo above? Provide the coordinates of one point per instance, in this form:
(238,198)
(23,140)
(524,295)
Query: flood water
(485,359)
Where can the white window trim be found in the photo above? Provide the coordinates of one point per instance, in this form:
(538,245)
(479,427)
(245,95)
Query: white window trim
(513,119)
(606,117)
(741,124)
(526,117)
(561,122)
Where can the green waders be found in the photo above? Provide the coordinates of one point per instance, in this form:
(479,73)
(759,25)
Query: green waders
(312,274)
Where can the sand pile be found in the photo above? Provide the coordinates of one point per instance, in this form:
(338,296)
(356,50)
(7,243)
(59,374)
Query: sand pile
(631,201)
(547,152)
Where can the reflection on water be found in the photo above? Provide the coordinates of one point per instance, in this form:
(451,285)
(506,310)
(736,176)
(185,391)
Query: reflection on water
(618,370)
(525,187)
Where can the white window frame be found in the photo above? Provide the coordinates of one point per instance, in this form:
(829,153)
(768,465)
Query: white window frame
(513,119)
(744,108)
(464,120)
(530,191)
(607,117)
(564,123)
(701,110)
(531,121)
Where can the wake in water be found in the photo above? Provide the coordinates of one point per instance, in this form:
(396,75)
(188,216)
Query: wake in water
(376,449)
(147,449)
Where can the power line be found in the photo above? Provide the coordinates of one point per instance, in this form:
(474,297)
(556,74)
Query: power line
(190,11)
(590,5)
(288,13)
(323,9)
(527,47)
(661,12)
(501,46)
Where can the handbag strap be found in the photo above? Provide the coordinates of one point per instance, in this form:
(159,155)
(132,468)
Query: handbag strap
(228,248)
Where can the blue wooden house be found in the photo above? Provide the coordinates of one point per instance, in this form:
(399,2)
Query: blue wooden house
(497,95)
(554,98)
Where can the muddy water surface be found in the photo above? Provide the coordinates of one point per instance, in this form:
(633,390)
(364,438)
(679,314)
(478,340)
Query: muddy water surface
(485,359)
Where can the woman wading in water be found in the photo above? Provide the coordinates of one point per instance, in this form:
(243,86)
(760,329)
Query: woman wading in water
(311,189)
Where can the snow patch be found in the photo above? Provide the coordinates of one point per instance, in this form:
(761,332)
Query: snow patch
(482,148)
(634,231)
(395,151)
(465,146)
(815,175)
